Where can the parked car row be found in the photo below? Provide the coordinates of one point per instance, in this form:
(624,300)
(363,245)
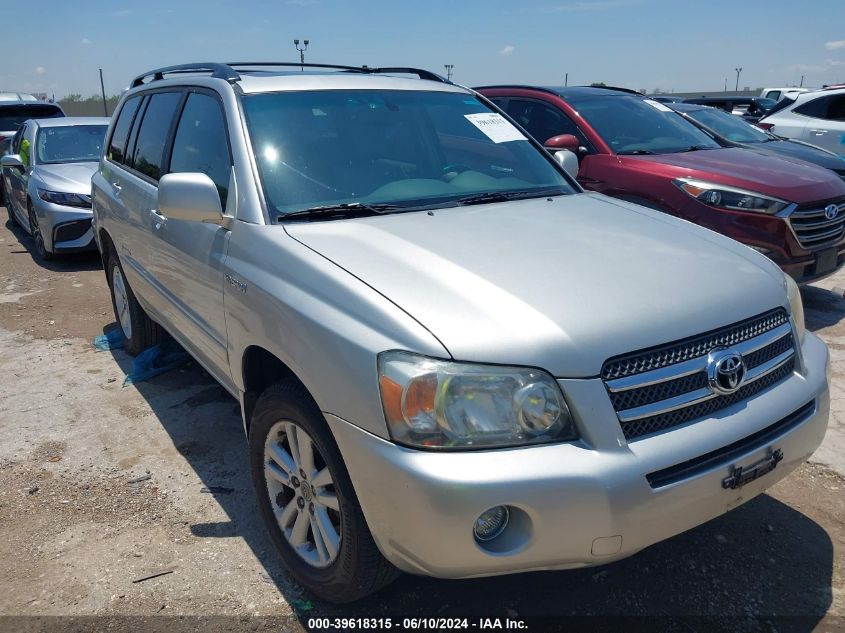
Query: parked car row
(456,353)
(817,117)
(640,150)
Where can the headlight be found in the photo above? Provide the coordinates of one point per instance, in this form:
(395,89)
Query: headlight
(796,306)
(723,197)
(79,200)
(444,405)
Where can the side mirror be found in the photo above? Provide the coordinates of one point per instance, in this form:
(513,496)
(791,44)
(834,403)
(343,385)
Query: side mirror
(563,141)
(568,160)
(11,160)
(189,196)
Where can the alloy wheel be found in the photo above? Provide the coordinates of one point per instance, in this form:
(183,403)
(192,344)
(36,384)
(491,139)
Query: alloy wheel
(121,302)
(302,494)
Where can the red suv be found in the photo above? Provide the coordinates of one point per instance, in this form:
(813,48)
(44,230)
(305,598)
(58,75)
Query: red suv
(637,149)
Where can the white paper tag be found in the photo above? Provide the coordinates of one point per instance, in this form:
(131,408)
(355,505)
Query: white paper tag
(495,127)
(657,105)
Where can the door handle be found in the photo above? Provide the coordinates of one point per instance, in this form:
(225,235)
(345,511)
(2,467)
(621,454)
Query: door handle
(116,186)
(818,132)
(158,218)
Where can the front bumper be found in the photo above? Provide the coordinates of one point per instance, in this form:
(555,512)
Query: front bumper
(65,229)
(573,505)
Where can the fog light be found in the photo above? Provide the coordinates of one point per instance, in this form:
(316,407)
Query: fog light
(491,523)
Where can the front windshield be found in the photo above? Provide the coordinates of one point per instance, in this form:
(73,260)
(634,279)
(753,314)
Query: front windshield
(404,148)
(729,126)
(630,125)
(70,144)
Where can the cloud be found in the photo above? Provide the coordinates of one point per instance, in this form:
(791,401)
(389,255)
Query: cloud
(122,13)
(507,50)
(836,45)
(834,62)
(85,40)
(301,3)
(40,70)
(590,5)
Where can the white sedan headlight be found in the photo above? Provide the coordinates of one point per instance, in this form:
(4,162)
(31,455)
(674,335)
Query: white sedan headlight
(796,306)
(440,404)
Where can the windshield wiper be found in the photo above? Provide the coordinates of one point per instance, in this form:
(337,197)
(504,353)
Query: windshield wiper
(635,152)
(694,148)
(338,211)
(504,196)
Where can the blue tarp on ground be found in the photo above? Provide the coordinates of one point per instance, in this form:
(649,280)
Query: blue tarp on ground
(110,340)
(156,360)
(153,361)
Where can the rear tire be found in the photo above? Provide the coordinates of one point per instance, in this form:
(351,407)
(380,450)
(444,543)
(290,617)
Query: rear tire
(139,330)
(353,567)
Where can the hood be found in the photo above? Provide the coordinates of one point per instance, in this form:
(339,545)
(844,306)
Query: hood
(755,171)
(801,151)
(561,283)
(66,177)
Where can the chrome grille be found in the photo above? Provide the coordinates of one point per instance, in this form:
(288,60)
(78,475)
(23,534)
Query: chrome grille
(813,229)
(660,388)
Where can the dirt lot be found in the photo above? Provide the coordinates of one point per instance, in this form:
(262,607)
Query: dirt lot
(103,486)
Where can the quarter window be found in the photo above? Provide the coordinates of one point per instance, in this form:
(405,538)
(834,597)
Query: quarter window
(117,146)
(201,145)
(152,136)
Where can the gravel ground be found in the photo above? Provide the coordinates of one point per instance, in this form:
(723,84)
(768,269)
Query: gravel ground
(134,503)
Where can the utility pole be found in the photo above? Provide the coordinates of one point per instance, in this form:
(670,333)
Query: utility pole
(301,53)
(738,70)
(103,89)
(802,82)
(566,80)
(449,68)
(726,84)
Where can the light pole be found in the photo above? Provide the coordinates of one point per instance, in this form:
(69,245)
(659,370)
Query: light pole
(738,70)
(449,68)
(301,53)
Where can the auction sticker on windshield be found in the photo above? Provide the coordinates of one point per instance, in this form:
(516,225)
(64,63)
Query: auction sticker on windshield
(495,127)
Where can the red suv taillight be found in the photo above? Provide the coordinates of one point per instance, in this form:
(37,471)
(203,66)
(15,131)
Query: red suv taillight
(764,126)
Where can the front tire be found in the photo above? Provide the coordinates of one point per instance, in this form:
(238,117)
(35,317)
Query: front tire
(139,330)
(307,501)
(37,237)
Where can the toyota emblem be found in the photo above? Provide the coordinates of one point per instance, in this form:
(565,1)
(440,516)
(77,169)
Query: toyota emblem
(725,370)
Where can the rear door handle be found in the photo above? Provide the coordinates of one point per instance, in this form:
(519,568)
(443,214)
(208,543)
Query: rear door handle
(818,132)
(116,186)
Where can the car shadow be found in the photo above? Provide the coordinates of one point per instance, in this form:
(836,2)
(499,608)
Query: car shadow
(70,262)
(822,307)
(761,562)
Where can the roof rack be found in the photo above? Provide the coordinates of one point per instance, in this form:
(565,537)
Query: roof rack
(229,72)
(220,71)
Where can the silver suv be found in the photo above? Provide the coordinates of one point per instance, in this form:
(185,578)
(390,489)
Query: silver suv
(450,360)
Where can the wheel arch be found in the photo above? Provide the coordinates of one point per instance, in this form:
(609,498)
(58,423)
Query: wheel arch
(261,368)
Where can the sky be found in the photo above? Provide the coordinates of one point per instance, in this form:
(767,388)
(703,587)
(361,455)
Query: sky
(665,45)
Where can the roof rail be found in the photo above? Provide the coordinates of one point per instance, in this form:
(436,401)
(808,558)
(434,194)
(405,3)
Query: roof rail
(617,88)
(220,71)
(419,72)
(229,71)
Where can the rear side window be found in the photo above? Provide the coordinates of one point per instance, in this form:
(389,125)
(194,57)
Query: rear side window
(152,136)
(117,146)
(831,107)
(201,145)
(773,94)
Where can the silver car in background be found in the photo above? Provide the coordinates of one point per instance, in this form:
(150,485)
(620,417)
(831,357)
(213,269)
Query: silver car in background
(47,181)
